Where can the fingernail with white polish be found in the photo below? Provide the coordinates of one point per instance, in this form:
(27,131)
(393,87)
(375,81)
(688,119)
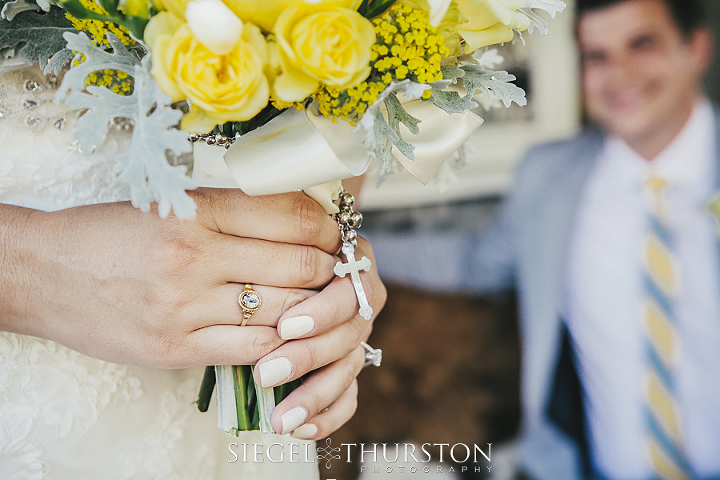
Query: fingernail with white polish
(275,371)
(292,419)
(295,327)
(305,432)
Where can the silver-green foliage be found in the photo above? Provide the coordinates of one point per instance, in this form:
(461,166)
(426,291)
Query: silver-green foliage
(34,36)
(143,167)
(552,7)
(13,7)
(493,84)
(382,134)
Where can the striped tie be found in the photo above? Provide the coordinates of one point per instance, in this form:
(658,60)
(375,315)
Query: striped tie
(665,440)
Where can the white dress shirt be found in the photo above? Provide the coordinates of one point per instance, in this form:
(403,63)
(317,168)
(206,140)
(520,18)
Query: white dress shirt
(604,291)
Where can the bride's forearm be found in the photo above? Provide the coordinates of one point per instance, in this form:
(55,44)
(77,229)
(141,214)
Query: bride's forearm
(17,255)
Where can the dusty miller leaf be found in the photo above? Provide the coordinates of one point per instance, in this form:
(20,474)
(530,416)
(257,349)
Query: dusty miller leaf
(96,58)
(467,58)
(385,128)
(451,101)
(143,167)
(489,58)
(35,36)
(380,137)
(414,90)
(397,114)
(518,38)
(58,61)
(451,72)
(493,84)
(536,21)
(553,7)
(388,166)
(12,8)
(103,106)
(375,137)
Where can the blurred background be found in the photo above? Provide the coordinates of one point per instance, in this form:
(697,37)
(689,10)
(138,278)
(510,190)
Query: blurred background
(451,364)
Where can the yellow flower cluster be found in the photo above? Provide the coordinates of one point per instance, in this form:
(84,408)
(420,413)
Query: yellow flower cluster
(349,104)
(406,47)
(116,81)
(98,29)
(280,105)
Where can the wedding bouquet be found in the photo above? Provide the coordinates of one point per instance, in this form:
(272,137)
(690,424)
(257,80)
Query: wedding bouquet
(271,97)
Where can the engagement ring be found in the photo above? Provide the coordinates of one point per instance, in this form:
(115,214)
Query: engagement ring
(249,301)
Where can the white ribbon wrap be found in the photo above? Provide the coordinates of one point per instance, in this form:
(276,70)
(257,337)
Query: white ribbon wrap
(292,152)
(440,134)
(299,149)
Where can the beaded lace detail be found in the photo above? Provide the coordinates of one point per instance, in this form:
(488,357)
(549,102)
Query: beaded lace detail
(41,165)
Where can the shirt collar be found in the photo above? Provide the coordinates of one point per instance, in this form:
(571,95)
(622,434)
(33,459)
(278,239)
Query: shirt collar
(688,162)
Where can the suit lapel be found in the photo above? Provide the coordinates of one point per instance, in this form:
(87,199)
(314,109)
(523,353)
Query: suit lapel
(547,232)
(561,210)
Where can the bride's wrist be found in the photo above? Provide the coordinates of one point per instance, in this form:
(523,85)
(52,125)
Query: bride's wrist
(18,253)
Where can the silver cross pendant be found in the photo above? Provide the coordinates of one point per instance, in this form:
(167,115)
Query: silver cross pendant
(354,267)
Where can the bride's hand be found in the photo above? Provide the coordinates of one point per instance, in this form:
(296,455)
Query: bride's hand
(120,285)
(332,350)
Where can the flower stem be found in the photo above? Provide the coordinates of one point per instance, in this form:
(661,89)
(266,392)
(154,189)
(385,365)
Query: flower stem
(206,388)
(240,374)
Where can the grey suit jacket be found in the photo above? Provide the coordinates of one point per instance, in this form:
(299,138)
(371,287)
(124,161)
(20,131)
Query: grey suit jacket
(525,248)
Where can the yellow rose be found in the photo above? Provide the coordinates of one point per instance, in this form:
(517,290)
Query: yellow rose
(490,22)
(220,88)
(264,13)
(319,44)
(174,6)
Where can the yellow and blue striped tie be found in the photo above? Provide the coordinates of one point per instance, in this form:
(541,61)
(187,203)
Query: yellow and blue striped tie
(665,438)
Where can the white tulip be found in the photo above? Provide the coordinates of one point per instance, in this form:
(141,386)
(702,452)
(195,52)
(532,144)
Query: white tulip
(214,25)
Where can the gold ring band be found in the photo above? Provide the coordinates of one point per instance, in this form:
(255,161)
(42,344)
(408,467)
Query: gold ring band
(249,301)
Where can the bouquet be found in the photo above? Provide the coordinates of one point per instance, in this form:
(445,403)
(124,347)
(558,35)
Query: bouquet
(271,97)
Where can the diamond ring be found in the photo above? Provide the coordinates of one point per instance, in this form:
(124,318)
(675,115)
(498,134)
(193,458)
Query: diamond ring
(373,356)
(249,301)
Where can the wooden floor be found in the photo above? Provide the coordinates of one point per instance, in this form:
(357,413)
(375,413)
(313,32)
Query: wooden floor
(449,375)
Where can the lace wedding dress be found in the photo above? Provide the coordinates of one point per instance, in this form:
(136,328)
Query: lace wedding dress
(64,415)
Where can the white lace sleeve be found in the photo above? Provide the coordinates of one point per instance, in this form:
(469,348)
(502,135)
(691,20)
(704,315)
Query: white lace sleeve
(40,164)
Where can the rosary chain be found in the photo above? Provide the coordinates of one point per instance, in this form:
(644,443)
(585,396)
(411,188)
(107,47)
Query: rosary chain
(348,219)
(214,139)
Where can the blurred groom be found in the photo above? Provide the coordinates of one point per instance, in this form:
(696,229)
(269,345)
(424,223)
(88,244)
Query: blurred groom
(610,243)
